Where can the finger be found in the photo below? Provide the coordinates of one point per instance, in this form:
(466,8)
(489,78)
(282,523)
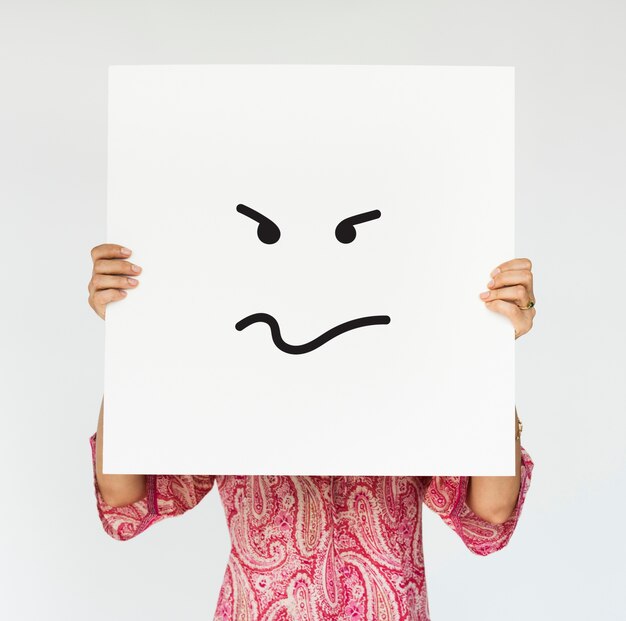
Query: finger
(512,277)
(109,251)
(518,294)
(105,281)
(115,266)
(513,264)
(102,298)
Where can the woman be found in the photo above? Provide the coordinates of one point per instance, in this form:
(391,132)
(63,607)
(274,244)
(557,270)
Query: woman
(315,547)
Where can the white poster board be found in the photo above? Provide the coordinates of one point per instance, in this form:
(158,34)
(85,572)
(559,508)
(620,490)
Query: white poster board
(229,182)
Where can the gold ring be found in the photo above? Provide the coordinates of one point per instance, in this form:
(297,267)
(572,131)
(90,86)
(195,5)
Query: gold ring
(530,305)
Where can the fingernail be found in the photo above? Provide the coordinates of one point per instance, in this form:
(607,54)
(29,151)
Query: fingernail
(124,251)
(485,294)
(135,268)
(122,292)
(490,283)
(132,281)
(496,271)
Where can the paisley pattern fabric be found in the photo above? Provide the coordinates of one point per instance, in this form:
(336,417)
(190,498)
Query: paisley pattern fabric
(320,548)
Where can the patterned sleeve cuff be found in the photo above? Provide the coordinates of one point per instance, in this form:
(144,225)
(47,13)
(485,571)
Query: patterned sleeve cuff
(127,521)
(447,496)
(167,495)
(481,536)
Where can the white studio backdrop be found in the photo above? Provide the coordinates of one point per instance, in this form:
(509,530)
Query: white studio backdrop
(565,560)
(196,153)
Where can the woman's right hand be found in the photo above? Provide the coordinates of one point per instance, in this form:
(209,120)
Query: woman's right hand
(110,278)
(112,275)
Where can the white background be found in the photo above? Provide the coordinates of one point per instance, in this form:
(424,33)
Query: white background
(566,559)
(308,146)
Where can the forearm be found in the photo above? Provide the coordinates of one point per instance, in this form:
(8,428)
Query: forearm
(116,489)
(494,498)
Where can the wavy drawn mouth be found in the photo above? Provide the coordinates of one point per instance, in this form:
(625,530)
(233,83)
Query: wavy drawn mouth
(361,322)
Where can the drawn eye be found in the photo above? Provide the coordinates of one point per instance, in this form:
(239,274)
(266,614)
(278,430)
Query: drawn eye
(345,231)
(267,231)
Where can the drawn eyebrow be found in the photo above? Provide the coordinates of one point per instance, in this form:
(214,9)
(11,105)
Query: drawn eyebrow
(345,231)
(267,231)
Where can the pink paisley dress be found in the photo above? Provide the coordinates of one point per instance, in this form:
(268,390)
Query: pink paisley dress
(319,548)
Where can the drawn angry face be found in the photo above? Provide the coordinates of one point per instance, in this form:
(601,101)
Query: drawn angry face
(345,232)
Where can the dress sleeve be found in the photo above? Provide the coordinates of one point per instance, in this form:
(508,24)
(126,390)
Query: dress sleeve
(446,496)
(166,496)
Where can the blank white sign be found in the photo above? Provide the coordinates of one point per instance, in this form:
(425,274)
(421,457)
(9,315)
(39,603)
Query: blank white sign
(416,376)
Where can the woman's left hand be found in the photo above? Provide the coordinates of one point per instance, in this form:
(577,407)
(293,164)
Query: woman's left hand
(511,292)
